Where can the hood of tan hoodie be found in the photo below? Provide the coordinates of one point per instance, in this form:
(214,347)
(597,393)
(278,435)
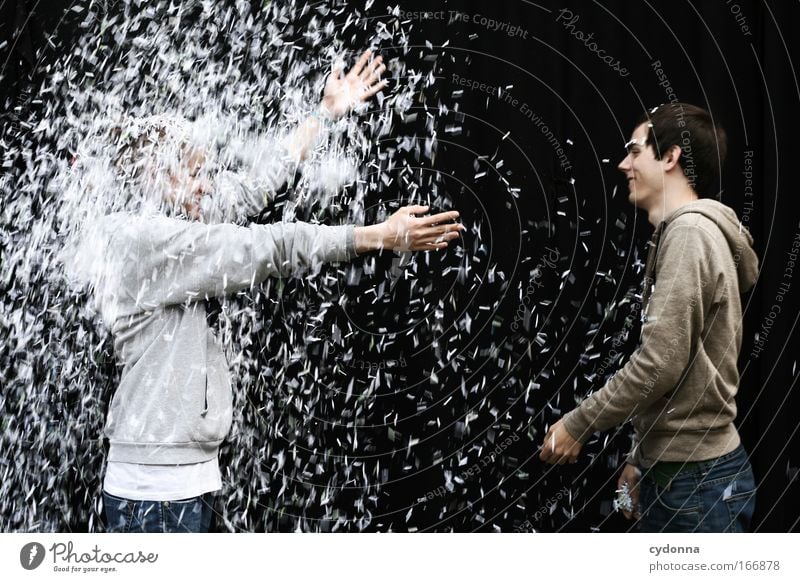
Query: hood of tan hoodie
(738,237)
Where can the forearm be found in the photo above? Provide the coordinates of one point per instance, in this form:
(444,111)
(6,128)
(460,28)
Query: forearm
(302,139)
(644,379)
(305,135)
(175,261)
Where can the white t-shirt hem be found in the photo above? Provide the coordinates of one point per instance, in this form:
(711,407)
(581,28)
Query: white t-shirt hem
(161,482)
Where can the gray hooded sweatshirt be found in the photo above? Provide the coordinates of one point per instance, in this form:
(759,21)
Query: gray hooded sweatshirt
(679,385)
(174,401)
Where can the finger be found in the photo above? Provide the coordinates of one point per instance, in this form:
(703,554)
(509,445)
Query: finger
(337,68)
(548,450)
(371,68)
(376,72)
(374,89)
(627,514)
(544,454)
(438,239)
(429,246)
(435,237)
(437,230)
(375,75)
(441,217)
(359,66)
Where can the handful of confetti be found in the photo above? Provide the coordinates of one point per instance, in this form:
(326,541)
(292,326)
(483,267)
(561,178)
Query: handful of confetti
(623,500)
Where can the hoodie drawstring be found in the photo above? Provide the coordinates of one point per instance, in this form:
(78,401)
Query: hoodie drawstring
(205,399)
(650,267)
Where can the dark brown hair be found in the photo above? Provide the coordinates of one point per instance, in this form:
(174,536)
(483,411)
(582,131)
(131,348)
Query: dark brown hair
(703,143)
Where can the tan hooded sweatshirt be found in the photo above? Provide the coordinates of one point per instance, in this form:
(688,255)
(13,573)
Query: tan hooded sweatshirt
(679,385)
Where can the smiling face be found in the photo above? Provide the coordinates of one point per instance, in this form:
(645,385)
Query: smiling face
(644,172)
(189,184)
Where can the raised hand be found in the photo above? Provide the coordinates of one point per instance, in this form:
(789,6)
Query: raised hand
(344,92)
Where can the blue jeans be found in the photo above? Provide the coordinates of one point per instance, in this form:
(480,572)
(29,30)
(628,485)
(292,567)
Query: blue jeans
(717,495)
(183,516)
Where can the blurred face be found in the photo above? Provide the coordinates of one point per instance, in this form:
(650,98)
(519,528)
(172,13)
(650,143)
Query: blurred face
(189,184)
(644,172)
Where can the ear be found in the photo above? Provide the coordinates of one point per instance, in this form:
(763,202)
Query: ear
(671,157)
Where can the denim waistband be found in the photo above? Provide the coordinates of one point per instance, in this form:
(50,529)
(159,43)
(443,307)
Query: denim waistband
(662,469)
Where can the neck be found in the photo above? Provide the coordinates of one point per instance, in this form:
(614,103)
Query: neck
(669,202)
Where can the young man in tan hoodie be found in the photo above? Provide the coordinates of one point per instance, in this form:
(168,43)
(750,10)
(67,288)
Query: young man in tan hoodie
(687,470)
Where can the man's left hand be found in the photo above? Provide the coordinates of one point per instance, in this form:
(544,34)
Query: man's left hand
(559,447)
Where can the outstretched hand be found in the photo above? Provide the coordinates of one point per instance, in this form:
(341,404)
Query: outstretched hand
(405,231)
(345,92)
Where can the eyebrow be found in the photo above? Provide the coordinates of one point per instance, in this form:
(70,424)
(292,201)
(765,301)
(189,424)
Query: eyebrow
(635,142)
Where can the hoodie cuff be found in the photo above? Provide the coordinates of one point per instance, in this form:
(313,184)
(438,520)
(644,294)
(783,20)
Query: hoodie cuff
(634,456)
(343,244)
(350,241)
(577,426)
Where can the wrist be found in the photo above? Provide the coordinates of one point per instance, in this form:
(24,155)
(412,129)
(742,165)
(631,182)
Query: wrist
(635,468)
(324,113)
(370,238)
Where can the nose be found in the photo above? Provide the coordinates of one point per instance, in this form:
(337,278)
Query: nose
(625,165)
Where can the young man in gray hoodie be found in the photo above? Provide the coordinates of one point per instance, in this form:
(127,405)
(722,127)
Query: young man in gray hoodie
(173,406)
(687,470)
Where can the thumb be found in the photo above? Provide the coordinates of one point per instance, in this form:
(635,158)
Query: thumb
(336,68)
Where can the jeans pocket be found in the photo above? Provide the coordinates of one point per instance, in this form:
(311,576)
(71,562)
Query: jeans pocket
(676,509)
(119,513)
(739,498)
(680,497)
(188,515)
(729,491)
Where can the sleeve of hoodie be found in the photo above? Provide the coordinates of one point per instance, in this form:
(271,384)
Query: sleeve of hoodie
(265,166)
(172,261)
(684,289)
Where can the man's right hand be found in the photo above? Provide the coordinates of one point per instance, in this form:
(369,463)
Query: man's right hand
(404,231)
(631,475)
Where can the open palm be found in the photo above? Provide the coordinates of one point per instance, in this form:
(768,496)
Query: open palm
(344,92)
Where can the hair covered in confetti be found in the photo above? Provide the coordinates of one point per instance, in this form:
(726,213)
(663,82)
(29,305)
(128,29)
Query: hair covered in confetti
(144,143)
(121,165)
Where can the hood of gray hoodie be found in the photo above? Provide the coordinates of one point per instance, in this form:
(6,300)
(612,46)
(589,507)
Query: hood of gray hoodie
(739,239)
